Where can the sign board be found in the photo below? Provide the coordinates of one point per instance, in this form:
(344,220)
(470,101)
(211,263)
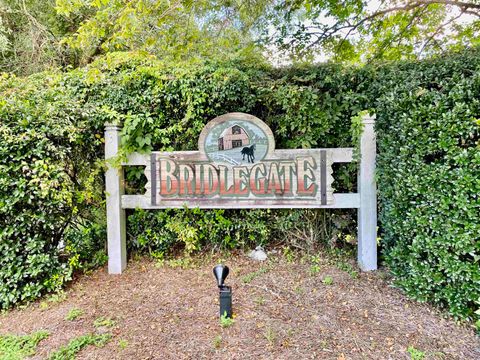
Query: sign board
(236,166)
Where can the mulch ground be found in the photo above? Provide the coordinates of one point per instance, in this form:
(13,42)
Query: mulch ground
(285,312)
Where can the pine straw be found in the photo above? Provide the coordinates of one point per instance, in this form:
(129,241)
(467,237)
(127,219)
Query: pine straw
(283,313)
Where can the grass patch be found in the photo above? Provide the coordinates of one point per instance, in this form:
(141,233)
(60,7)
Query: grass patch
(75,345)
(270,336)
(217,342)
(299,290)
(58,297)
(415,354)
(225,321)
(13,347)
(259,300)
(53,299)
(340,258)
(247,279)
(104,322)
(122,344)
(348,268)
(74,314)
(328,280)
(185,262)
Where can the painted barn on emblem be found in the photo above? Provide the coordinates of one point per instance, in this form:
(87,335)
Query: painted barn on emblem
(236,141)
(233,137)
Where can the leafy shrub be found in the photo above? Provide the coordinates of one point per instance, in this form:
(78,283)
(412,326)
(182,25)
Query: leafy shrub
(429,179)
(46,159)
(162,232)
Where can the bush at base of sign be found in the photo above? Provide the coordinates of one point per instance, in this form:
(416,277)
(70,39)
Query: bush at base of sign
(164,231)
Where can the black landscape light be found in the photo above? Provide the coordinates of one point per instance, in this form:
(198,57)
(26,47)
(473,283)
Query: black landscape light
(221,273)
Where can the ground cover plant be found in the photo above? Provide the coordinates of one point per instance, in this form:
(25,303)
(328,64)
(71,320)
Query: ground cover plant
(75,345)
(14,347)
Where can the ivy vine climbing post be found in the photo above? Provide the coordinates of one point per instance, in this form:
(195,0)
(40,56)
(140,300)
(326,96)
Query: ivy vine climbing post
(367,189)
(116,220)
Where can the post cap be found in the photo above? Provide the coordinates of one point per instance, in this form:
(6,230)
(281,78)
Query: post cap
(369,119)
(112,127)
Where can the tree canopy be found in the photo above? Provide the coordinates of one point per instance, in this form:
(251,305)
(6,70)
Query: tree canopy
(370,30)
(35,35)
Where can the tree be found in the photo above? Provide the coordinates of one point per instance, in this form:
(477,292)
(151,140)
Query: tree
(35,35)
(30,34)
(173,30)
(369,30)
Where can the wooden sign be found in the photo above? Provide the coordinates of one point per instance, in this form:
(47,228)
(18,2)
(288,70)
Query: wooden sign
(237,166)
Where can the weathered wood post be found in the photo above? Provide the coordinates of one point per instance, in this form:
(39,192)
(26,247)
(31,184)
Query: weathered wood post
(367,213)
(116,221)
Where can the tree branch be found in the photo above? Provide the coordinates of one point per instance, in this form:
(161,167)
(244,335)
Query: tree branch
(461,4)
(465,8)
(440,28)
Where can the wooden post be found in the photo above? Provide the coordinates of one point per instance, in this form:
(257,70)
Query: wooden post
(367,213)
(116,221)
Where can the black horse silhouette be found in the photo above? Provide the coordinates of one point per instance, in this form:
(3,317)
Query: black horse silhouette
(250,152)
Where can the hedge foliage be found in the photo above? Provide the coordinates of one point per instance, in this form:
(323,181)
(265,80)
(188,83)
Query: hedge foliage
(428,165)
(428,119)
(47,154)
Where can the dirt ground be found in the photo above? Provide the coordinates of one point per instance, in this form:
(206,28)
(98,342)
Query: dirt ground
(282,311)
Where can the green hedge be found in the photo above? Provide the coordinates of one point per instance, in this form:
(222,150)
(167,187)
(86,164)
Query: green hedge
(428,117)
(47,159)
(165,107)
(428,164)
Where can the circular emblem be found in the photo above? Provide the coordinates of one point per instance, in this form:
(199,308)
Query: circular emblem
(236,141)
